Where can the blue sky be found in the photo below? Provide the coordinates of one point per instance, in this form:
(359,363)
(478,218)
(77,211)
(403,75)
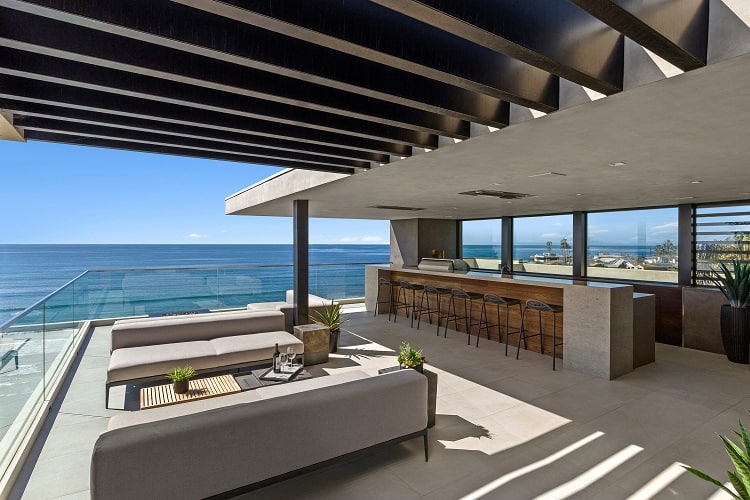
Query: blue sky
(55,193)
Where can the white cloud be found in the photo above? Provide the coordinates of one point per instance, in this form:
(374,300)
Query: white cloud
(551,235)
(361,239)
(224,230)
(597,231)
(194,236)
(668,228)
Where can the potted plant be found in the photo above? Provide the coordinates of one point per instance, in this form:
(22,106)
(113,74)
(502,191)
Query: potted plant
(735,316)
(180,378)
(408,357)
(740,458)
(331,317)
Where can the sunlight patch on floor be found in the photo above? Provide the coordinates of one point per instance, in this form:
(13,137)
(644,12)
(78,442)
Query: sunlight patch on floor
(583,481)
(490,487)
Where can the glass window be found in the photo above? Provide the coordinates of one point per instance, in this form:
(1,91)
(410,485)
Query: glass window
(482,242)
(633,245)
(543,244)
(722,233)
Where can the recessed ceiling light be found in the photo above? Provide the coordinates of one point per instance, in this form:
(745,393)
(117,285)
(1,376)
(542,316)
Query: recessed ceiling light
(696,182)
(685,198)
(579,194)
(544,174)
(617,164)
(496,184)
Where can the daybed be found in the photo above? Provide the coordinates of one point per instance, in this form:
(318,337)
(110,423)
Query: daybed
(231,444)
(148,348)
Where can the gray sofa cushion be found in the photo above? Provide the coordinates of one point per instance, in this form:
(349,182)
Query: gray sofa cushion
(206,453)
(151,331)
(148,361)
(254,347)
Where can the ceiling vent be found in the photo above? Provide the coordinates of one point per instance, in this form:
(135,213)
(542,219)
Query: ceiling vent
(505,195)
(390,207)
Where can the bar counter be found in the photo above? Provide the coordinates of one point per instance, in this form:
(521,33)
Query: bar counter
(597,322)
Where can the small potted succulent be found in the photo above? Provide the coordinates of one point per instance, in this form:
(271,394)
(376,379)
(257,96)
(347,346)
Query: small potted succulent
(180,378)
(408,357)
(331,317)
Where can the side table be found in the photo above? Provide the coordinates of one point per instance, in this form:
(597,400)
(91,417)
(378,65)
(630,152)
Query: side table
(317,340)
(432,381)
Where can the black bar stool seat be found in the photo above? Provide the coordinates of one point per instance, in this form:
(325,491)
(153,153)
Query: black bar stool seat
(390,286)
(491,298)
(458,294)
(404,287)
(541,307)
(438,293)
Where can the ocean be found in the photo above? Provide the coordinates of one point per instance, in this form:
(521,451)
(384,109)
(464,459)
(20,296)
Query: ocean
(28,273)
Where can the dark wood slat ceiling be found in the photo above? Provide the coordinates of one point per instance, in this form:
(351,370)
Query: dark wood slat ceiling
(324,85)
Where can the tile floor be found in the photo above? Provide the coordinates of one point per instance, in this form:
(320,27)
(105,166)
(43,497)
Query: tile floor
(505,428)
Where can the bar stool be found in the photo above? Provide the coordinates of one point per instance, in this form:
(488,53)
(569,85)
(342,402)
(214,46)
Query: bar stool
(458,294)
(430,290)
(404,304)
(390,286)
(540,307)
(491,298)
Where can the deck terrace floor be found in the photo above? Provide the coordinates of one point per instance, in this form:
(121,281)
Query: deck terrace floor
(505,428)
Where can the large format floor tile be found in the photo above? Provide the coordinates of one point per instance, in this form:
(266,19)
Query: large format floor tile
(505,428)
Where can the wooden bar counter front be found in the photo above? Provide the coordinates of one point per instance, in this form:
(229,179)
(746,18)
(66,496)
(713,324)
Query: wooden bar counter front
(596,326)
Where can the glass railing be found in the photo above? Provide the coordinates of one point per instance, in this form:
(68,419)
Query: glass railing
(38,343)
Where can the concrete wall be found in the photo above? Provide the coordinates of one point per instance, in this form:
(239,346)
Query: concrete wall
(701,316)
(413,239)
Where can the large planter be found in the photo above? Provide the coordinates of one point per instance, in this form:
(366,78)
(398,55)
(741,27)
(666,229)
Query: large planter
(334,342)
(735,333)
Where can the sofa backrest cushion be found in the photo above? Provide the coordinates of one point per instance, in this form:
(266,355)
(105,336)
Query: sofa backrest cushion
(152,331)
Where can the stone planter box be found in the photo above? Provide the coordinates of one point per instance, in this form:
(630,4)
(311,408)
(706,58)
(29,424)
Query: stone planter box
(317,340)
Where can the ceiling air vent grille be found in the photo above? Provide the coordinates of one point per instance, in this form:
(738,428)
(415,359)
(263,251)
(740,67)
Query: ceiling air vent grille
(391,207)
(505,195)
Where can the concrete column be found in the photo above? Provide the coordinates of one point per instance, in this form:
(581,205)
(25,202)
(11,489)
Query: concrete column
(301,261)
(413,239)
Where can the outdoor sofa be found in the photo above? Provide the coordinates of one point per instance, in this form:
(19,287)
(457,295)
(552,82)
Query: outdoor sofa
(149,348)
(227,445)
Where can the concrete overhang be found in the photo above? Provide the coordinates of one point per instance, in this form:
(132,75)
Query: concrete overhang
(682,140)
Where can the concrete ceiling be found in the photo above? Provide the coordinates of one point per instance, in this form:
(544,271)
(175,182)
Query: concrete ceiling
(691,127)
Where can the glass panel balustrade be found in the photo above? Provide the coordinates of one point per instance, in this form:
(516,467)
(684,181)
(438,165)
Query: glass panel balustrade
(38,344)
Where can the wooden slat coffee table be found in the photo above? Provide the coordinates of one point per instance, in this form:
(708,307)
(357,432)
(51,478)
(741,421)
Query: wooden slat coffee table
(201,388)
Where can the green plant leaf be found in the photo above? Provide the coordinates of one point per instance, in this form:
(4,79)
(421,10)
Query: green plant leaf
(739,460)
(708,478)
(739,486)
